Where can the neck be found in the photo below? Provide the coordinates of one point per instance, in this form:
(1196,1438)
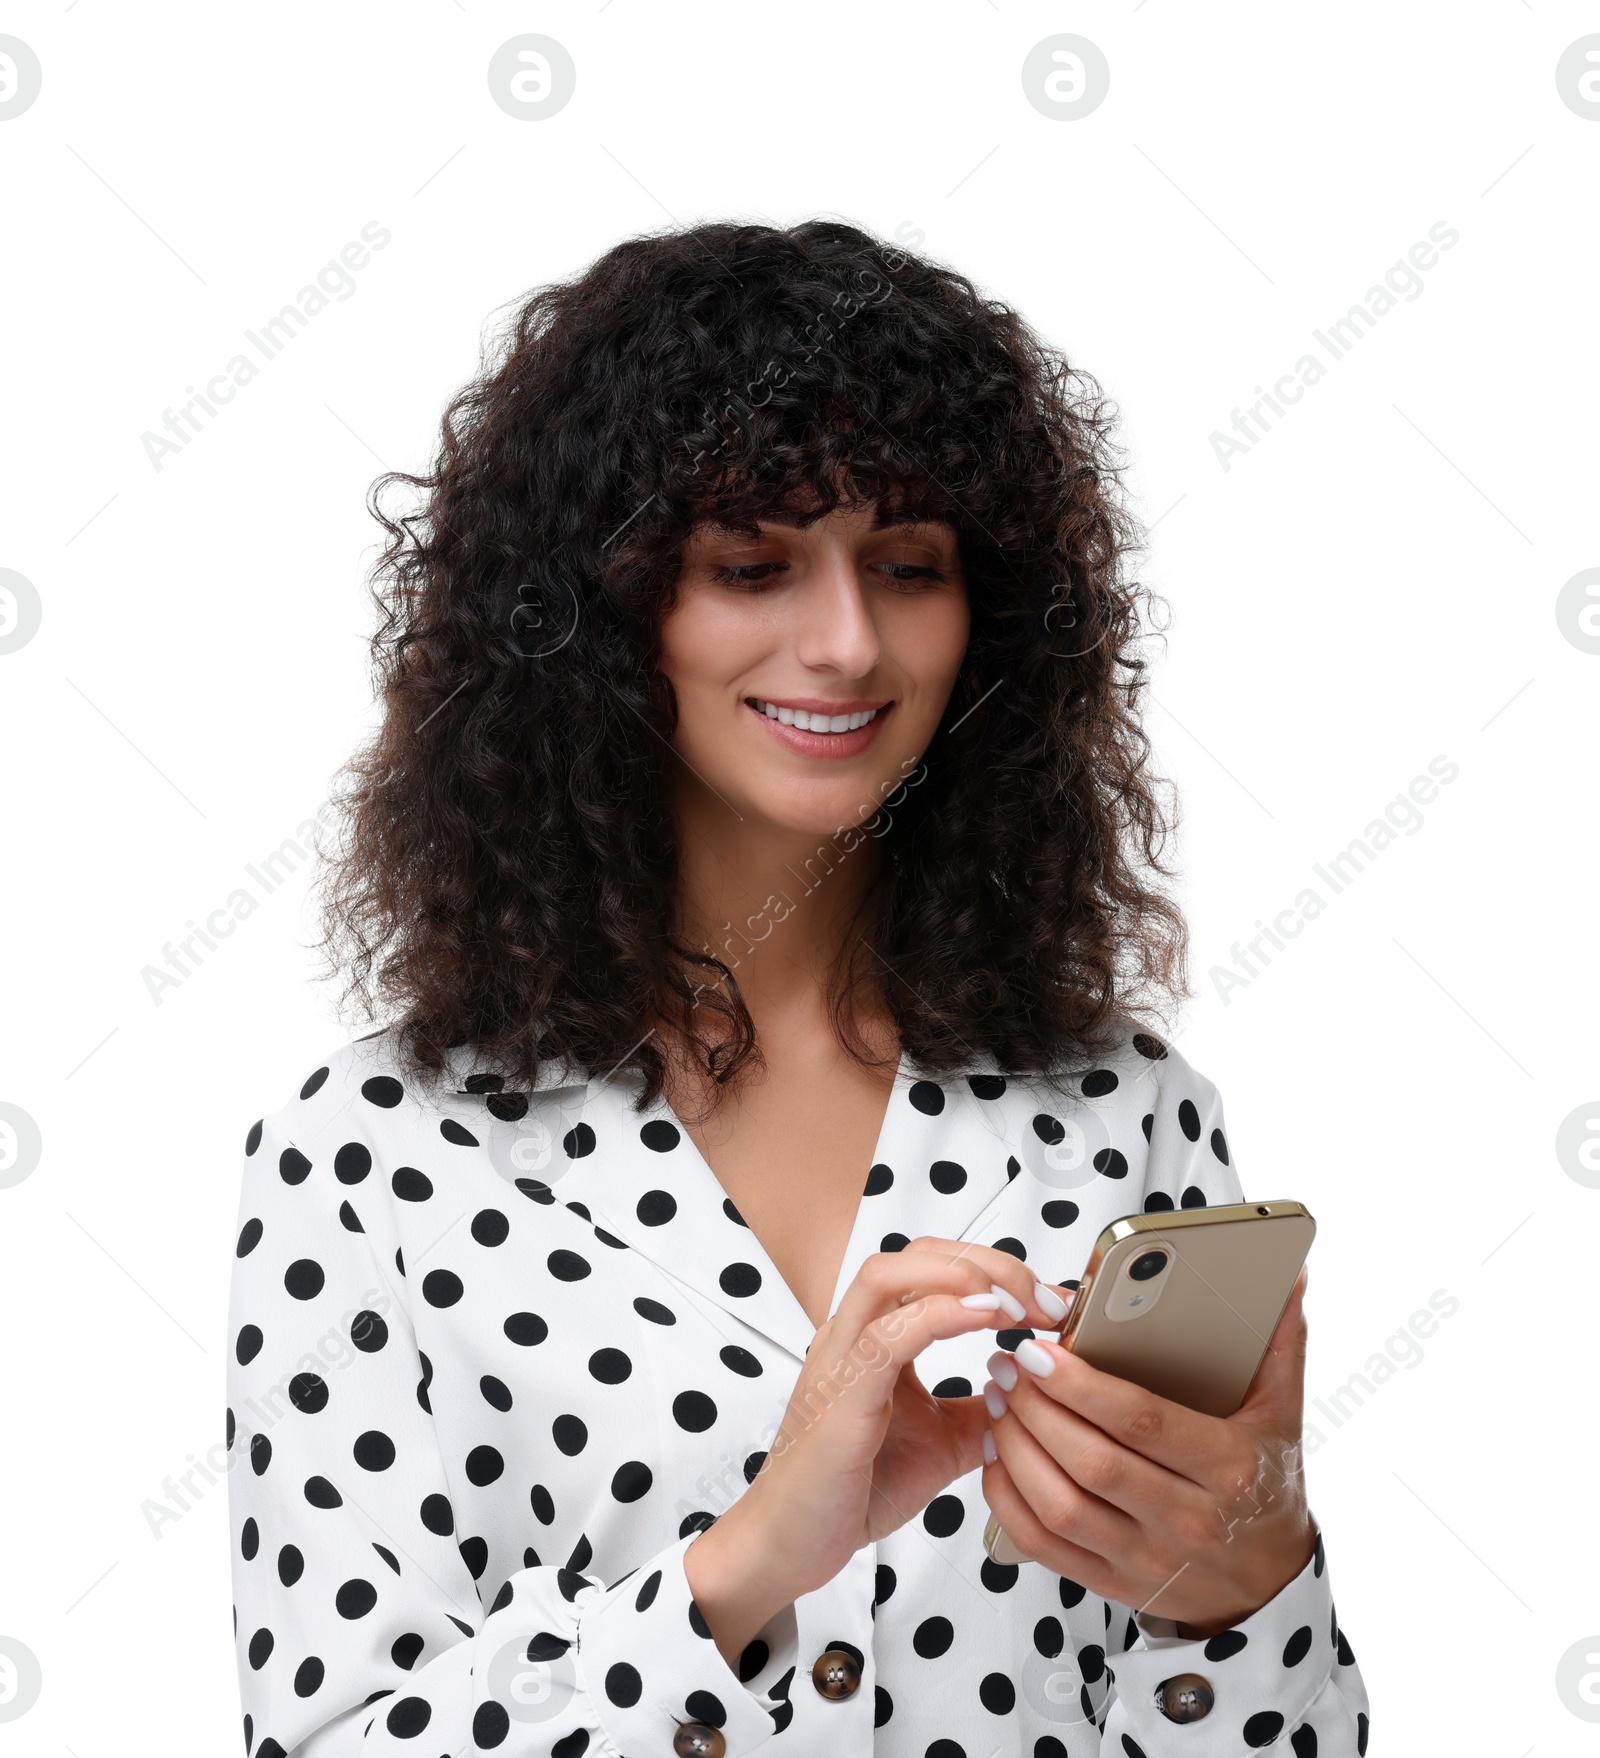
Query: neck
(779,907)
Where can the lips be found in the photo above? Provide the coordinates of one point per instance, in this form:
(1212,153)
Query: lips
(809,730)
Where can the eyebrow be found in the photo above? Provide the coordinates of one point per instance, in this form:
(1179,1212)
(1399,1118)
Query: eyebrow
(786,517)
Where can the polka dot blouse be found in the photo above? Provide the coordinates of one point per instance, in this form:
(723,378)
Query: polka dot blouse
(498,1357)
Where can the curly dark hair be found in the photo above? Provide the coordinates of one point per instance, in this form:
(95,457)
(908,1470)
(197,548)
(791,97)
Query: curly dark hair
(505,872)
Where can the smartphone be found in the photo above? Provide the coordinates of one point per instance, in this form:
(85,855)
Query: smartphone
(1183,1303)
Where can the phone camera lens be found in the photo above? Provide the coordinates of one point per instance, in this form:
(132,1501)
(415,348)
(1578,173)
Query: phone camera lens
(1151,1263)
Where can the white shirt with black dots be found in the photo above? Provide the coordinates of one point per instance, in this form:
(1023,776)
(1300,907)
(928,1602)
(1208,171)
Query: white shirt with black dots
(497,1358)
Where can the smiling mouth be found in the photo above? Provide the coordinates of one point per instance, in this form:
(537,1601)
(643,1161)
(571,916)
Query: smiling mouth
(813,721)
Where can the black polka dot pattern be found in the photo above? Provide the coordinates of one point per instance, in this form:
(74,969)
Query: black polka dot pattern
(496,1359)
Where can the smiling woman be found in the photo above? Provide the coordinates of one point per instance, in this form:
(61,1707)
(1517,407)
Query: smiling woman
(721,1264)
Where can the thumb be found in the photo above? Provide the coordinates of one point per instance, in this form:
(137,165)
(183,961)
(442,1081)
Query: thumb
(1277,1394)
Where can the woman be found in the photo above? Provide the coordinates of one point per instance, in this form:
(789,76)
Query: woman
(758,856)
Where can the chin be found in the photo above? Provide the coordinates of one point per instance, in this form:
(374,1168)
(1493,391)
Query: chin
(822,813)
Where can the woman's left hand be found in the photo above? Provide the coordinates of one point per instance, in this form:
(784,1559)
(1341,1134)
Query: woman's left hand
(1201,1519)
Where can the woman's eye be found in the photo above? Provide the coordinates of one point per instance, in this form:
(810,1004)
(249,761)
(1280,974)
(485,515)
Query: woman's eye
(746,574)
(751,575)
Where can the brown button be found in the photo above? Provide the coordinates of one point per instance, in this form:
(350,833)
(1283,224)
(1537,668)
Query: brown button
(698,1739)
(836,1674)
(1188,1697)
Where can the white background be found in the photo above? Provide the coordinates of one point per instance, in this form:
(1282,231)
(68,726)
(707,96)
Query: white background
(1370,586)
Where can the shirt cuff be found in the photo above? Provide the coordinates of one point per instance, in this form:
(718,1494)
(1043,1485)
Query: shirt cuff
(647,1662)
(1263,1674)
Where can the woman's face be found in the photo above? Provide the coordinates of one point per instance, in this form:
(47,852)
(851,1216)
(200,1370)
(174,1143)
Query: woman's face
(812,666)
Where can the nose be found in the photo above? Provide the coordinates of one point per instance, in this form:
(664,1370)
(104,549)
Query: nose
(836,632)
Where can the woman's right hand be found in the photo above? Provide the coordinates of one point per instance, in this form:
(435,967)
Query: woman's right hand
(863,1446)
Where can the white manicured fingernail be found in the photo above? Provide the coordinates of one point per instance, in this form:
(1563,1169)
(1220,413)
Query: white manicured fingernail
(981,1302)
(1003,1368)
(991,1453)
(1012,1306)
(995,1400)
(1049,1301)
(1034,1356)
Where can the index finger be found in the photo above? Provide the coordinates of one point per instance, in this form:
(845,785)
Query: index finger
(1029,1300)
(1193,1445)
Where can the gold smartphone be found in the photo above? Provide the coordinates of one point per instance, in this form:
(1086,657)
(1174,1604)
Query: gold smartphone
(1183,1303)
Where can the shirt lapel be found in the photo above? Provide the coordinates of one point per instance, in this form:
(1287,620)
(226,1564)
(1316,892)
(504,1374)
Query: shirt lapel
(943,1164)
(647,1182)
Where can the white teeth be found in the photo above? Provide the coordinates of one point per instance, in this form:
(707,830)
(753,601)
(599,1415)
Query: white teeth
(809,722)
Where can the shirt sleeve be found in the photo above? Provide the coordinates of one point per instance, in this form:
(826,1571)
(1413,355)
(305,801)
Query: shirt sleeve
(1286,1673)
(357,1615)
